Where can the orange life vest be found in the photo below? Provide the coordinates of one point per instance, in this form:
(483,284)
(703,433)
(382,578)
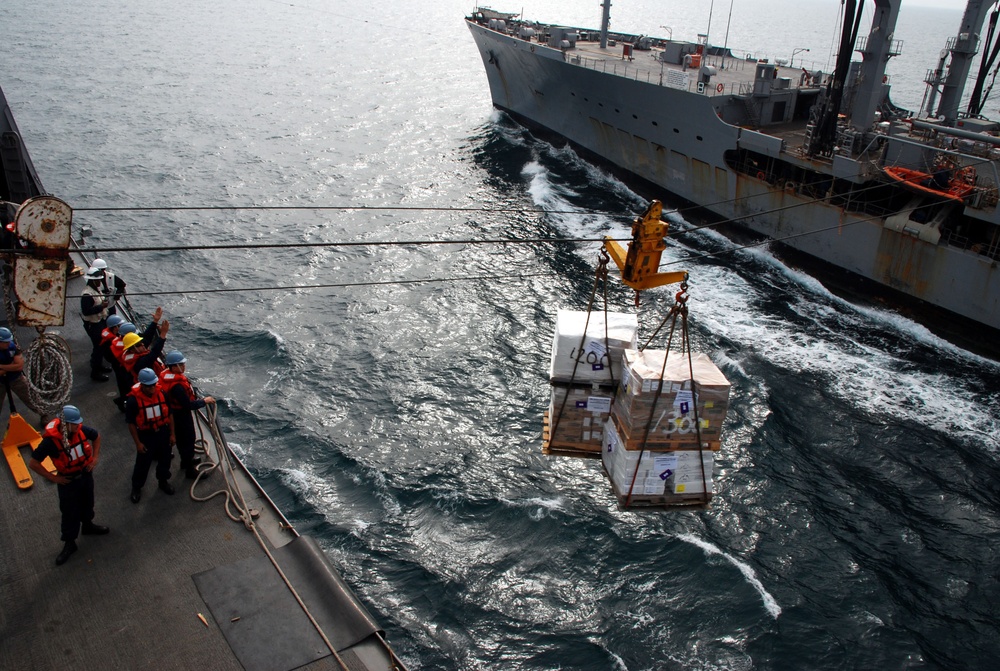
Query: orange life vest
(74,457)
(117,349)
(154,413)
(107,336)
(127,359)
(168,381)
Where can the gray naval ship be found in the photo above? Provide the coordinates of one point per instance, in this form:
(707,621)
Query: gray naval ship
(823,162)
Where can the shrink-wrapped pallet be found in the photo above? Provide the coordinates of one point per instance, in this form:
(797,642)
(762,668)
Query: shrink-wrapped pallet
(652,474)
(673,423)
(580,425)
(597,363)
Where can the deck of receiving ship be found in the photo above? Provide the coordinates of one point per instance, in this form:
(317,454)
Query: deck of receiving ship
(731,73)
(127,600)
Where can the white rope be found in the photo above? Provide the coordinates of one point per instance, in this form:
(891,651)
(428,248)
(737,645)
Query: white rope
(225,465)
(48,373)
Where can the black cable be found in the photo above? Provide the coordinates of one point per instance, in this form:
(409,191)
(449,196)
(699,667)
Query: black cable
(340,285)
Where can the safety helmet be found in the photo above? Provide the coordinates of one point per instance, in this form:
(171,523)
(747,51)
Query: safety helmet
(147,377)
(99,264)
(125,328)
(93,274)
(71,414)
(115,320)
(6,335)
(173,358)
(130,339)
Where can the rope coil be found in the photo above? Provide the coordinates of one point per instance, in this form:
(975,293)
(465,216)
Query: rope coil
(48,372)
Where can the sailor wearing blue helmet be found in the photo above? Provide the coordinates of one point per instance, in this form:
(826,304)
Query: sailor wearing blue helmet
(74,450)
(152,428)
(12,370)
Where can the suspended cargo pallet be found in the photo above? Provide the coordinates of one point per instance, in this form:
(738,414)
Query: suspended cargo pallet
(658,426)
(582,411)
(667,420)
(656,478)
(567,448)
(587,346)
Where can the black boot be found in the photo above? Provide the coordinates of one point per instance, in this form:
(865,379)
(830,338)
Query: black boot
(166,487)
(98,376)
(67,550)
(91,529)
(135,495)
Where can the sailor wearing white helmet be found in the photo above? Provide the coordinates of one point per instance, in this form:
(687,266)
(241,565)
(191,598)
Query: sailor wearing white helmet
(94,310)
(112,285)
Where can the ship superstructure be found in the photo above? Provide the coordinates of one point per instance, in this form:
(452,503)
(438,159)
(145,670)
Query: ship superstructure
(797,155)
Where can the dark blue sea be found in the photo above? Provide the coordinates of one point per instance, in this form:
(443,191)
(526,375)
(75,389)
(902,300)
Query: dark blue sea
(858,510)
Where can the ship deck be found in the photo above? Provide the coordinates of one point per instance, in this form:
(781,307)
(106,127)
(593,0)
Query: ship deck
(134,599)
(734,74)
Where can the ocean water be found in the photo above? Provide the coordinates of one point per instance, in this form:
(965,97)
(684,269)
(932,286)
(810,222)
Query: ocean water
(858,503)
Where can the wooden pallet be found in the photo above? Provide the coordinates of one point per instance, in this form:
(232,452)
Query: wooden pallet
(663,501)
(565,448)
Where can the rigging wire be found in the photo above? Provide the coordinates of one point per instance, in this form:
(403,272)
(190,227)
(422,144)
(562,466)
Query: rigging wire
(467,278)
(401,243)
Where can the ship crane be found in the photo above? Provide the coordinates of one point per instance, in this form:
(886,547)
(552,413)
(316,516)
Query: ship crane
(640,265)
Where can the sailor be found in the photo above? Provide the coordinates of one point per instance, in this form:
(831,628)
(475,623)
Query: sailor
(138,355)
(74,450)
(123,366)
(108,335)
(123,376)
(112,285)
(182,401)
(94,309)
(152,428)
(12,368)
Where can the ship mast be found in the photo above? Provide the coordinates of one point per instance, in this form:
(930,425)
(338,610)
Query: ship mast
(605,22)
(875,53)
(963,49)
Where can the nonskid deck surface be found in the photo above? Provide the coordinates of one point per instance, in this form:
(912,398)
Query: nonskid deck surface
(127,600)
(645,66)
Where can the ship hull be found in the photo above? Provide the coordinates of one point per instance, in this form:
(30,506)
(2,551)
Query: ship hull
(676,140)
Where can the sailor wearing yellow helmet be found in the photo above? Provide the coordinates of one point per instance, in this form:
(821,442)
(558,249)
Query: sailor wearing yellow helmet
(138,355)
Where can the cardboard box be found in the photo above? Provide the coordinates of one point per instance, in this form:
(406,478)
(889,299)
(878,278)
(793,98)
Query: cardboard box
(673,411)
(583,417)
(654,473)
(587,353)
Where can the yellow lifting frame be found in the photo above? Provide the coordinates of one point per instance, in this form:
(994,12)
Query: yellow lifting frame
(640,264)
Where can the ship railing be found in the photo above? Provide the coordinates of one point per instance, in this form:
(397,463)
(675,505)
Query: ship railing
(952,239)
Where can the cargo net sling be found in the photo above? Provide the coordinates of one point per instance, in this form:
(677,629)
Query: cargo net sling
(653,416)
